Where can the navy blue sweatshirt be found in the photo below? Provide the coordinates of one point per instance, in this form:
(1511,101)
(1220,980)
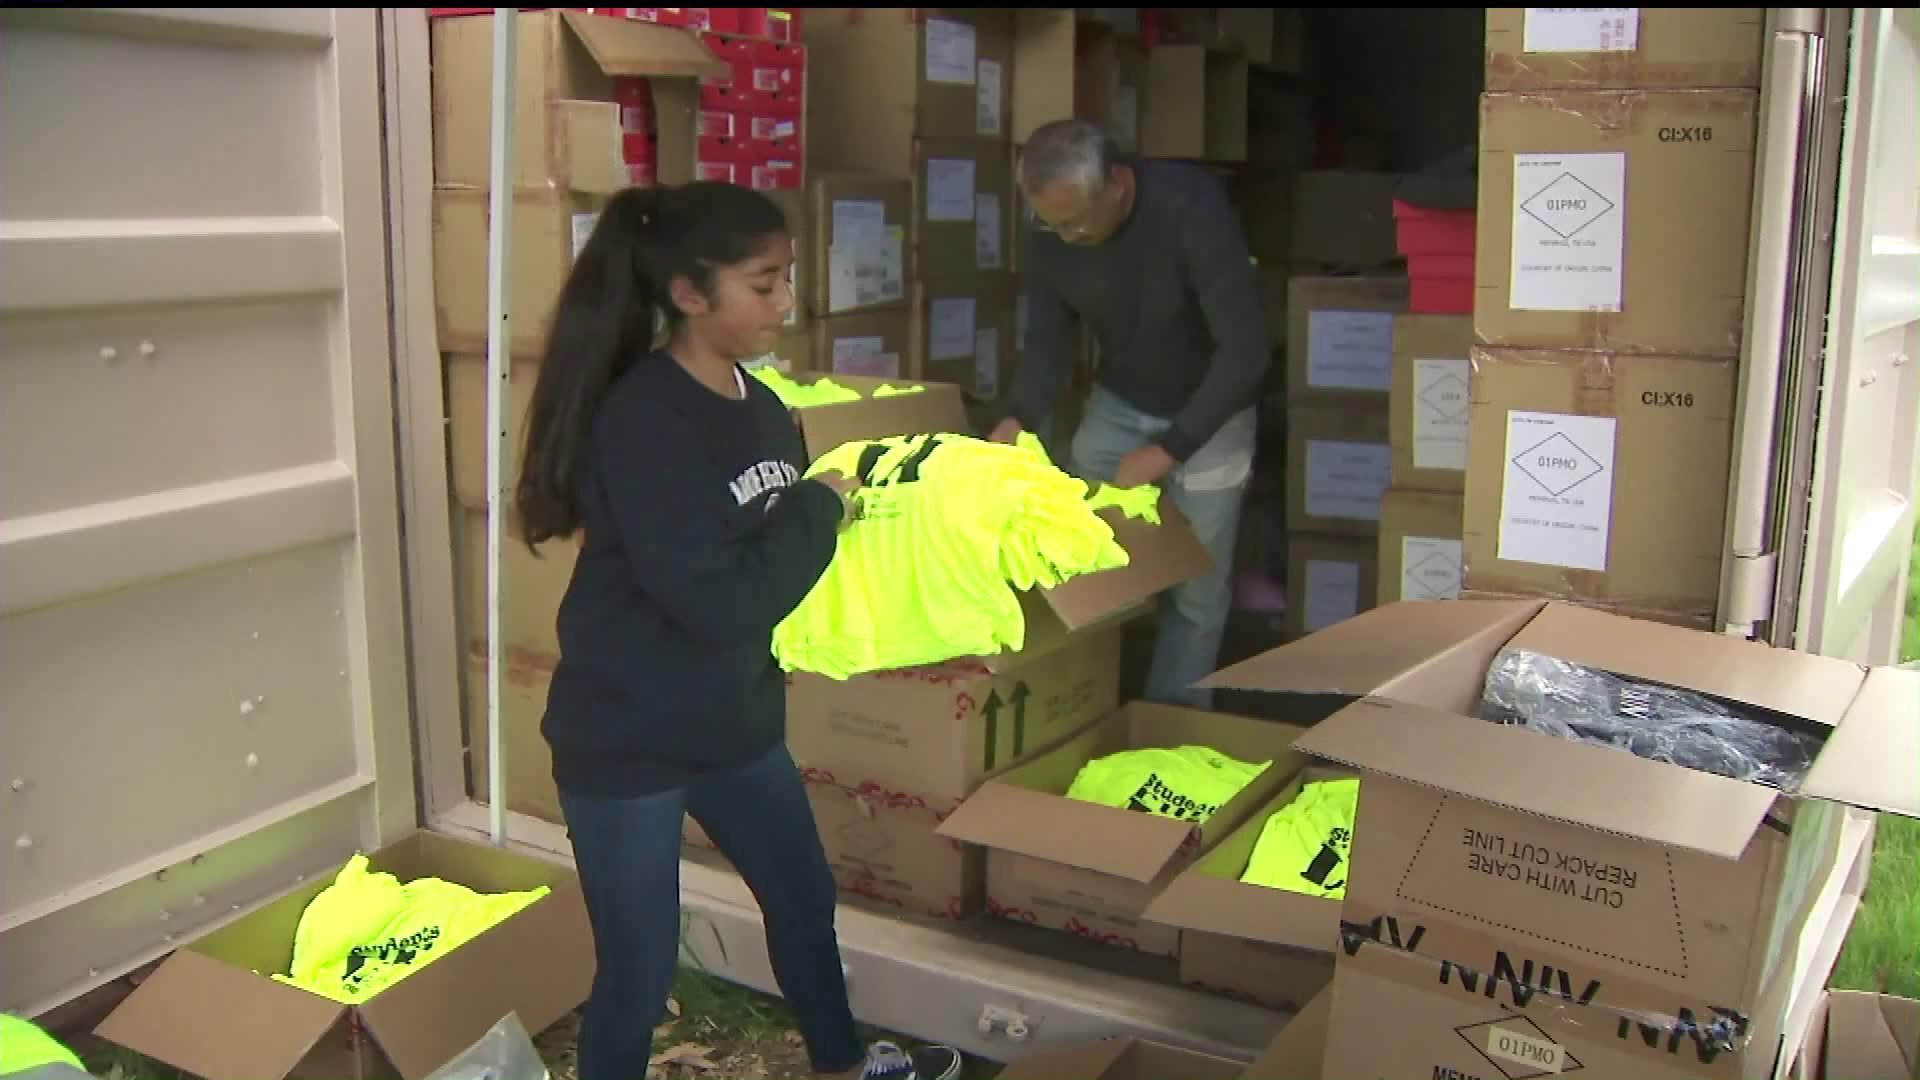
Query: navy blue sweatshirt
(1171,297)
(700,537)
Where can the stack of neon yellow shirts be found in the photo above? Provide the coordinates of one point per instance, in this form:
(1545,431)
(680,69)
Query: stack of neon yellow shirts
(1187,783)
(1305,844)
(950,530)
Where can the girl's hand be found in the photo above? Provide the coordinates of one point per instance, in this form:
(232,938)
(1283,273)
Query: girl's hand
(843,486)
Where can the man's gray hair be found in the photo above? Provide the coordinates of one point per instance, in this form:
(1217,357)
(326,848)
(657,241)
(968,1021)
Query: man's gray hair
(1070,151)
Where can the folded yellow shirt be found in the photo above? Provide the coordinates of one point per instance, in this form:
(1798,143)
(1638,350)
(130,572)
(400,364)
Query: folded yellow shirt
(1187,783)
(1304,845)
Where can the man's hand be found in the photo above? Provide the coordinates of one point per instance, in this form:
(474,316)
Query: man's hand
(1147,465)
(1006,431)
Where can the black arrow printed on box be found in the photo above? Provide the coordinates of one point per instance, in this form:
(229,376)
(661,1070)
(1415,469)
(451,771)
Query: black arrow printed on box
(990,709)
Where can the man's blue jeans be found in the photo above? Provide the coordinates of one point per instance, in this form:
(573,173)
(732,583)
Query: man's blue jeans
(1209,488)
(628,855)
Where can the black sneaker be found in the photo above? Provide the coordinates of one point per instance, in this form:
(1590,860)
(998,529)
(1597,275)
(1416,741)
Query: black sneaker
(887,1061)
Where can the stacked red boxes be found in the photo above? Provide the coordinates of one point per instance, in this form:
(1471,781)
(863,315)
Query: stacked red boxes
(1438,246)
(751,118)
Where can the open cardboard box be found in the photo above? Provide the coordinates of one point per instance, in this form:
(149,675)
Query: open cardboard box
(1598,894)
(1297,1052)
(212,1010)
(936,732)
(1091,869)
(1270,945)
(1122,1059)
(1860,1036)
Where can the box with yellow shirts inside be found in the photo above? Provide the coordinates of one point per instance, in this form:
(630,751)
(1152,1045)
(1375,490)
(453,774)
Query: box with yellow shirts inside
(423,961)
(1259,915)
(1082,837)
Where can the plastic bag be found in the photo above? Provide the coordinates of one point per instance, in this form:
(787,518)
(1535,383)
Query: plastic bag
(505,1052)
(1650,720)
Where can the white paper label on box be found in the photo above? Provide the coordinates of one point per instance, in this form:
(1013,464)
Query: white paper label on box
(1440,412)
(986,364)
(986,231)
(1538,1055)
(1347,479)
(1333,593)
(1430,568)
(1020,324)
(1125,120)
(1581,30)
(583,230)
(893,265)
(1350,350)
(949,189)
(1569,214)
(864,268)
(793,286)
(950,327)
(865,356)
(989,97)
(950,52)
(855,219)
(1556,504)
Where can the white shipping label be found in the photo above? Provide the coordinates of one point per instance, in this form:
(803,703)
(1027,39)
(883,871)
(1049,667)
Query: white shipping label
(1430,568)
(583,230)
(1347,479)
(863,272)
(1556,503)
(1440,412)
(1581,30)
(950,327)
(856,219)
(989,98)
(950,52)
(1333,593)
(892,262)
(950,189)
(986,231)
(1020,324)
(864,356)
(1350,350)
(986,364)
(1569,230)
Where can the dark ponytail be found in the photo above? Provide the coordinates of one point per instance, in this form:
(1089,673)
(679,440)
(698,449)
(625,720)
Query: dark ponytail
(614,309)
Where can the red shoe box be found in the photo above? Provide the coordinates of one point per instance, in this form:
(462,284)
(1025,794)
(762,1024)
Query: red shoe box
(1440,296)
(774,24)
(1433,232)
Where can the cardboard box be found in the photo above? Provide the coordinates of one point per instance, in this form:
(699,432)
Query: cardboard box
(965,336)
(207,1010)
(1092,870)
(533,586)
(1859,1036)
(1432,381)
(883,847)
(963,211)
(1270,38)
(1343,219)
(1488,885)
(549,229)
(1624,48)
(875,344)
(938,732)
(1421,551)
(1265,201)
(1196,104)
(564,56)
(1298,1051)
(1262,944)
(1044,68)
(1338,465)
(884,77)
(1599,476)
(1615,220)
(1121,1059)
(1329,579)
(1340,338)
(1110,83)
(860,231)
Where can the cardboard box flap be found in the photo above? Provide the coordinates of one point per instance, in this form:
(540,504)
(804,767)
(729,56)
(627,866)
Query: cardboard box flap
(1872,760)
(938,408)
(1870,1037)
(1084,1061)
(1532,773)
(1220,905)
(1379,650)
(445,1007)
(627,47)
(1043,825)
(1298,1052)
(1799,684)
(1158,558)
(595,162)
(220,1022)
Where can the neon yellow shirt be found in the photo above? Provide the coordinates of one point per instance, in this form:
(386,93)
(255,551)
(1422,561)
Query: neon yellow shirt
(949,530)
(367,931)
(1304,845)
(1187,783)
(24,1046)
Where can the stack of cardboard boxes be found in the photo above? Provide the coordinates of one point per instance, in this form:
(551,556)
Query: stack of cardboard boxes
(1616,171)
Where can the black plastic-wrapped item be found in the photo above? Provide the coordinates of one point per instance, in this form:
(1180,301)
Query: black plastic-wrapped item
(1647,719)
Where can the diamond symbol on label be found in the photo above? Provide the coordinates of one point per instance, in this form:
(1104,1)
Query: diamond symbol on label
(1567,205)
(1437,575)
(1558,464)
(1446,396)
(1518,1048)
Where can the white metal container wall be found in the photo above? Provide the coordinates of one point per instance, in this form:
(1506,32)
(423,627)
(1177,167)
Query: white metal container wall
(203,658)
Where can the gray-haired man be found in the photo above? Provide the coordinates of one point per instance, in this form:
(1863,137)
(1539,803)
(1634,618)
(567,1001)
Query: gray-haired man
(1150,255)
